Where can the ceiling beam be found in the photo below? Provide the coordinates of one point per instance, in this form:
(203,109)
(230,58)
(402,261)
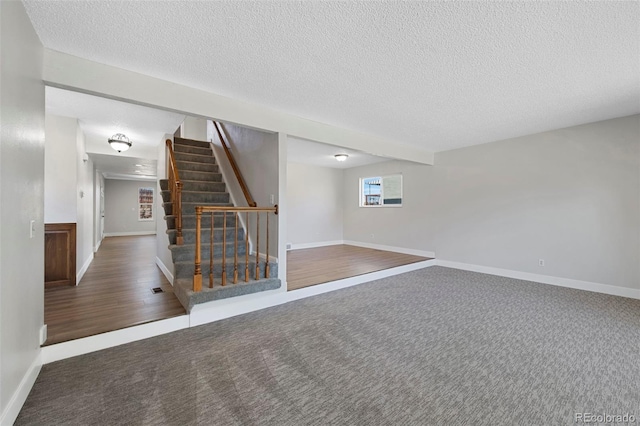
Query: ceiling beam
(73,73)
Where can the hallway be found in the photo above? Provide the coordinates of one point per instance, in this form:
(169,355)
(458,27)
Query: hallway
(115,293)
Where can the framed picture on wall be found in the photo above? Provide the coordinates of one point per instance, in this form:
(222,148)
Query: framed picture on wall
(145,203)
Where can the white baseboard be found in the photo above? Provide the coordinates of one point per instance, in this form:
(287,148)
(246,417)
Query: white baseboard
(113,338)
(391,248)
(301,246)
(128,234)
(545,279)
(97,246)
(262,256)
(43,334)
(11,411)
(164,270)
(84,268)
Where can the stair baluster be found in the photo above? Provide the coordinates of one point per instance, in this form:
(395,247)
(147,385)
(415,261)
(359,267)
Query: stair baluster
(235,255)
(224,248)
(246,250)
(211,253)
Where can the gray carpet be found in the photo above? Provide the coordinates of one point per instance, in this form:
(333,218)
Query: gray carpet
(431,347)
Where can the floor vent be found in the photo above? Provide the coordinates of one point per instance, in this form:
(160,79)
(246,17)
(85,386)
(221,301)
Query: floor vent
(157,290)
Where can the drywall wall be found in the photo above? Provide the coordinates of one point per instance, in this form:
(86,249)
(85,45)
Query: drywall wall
(194,128)
(162,240)
(316,196)
(121,208)
(406,227)
(67,71)
(22,150)
(570,197)
(84,202)
(257,156)
(60,174)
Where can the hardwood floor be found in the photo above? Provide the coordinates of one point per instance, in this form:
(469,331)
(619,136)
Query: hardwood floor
(323,264)
(114,293)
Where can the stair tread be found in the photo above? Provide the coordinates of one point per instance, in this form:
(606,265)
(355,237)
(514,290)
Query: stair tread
(194,192)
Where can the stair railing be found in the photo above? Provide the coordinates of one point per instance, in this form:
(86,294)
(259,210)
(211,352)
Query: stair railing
(234,166)
(235,213)
(175,187)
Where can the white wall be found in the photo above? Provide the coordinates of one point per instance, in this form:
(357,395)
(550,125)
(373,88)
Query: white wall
(315,197)
(409,226)
(60,174)
(570,197)
(194,128)
(22,146)
(257,156)
(84,202)
(164,259)
(121,208)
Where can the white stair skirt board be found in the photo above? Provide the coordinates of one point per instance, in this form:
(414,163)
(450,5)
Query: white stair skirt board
(545,279)
(301,246)
(128,234)
(113,338)
(391,248)
(164,270)
(11,411)
(84,268)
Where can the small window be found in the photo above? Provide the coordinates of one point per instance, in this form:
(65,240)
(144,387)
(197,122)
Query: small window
(381,191)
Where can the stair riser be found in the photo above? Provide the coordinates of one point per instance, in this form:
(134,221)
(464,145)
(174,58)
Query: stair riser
(204,186)
(189,235)
(204,175)
(186,253)
(190,142)
(185,168)
(189,149)
(205,197)
(192,158)
(189,222)
(183,270)
(188,208)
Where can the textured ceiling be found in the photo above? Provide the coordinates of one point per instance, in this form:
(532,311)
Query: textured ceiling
(319,154)
(439,75)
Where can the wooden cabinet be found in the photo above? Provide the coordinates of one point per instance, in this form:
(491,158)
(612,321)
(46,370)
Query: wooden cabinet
(59,254)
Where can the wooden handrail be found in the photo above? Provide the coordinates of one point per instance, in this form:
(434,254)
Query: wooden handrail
(175,188)
(200,210)
(234,166)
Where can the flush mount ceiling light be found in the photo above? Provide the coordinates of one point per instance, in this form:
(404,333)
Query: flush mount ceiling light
(119,142)
(341,157)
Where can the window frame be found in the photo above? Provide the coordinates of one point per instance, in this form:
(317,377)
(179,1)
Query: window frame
(362,196)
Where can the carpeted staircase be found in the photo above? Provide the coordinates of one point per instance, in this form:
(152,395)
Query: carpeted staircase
(203,186)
